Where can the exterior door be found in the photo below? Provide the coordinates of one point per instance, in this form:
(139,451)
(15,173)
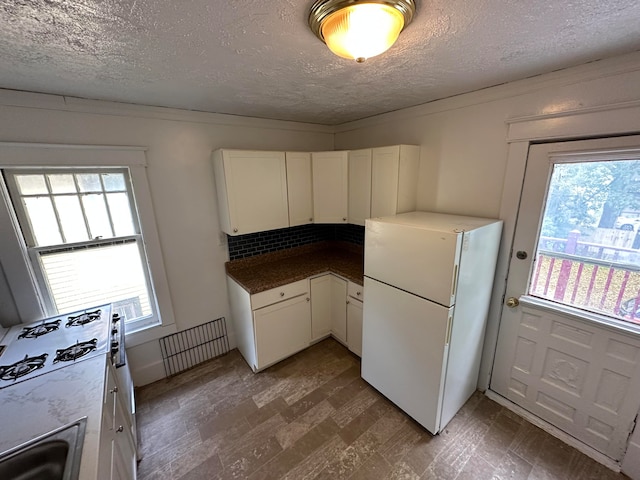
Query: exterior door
(569,343)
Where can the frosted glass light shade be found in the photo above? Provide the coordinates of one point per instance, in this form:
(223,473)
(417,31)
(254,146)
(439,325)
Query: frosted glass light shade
(362,31)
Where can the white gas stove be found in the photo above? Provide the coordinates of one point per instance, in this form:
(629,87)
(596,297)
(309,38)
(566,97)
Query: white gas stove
(40,347)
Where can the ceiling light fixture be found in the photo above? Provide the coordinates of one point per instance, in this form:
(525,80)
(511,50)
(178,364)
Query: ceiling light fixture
(360,29)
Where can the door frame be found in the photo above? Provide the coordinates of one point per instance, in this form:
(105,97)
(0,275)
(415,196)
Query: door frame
(601,121)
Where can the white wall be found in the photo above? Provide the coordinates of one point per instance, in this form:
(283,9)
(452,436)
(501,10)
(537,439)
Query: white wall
(463,162)
(464,144)
(181,182)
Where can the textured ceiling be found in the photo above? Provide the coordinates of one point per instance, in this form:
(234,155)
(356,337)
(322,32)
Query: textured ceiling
(258,57)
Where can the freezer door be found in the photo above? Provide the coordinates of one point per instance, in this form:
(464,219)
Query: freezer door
(404,351)
(418,260)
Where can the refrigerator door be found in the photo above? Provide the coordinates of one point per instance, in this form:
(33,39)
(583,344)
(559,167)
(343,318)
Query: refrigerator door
(413,257)
(404,351)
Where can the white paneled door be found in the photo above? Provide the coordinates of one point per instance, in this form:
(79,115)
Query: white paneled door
(575,366)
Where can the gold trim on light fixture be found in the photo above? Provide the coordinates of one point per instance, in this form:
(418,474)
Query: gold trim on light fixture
(360,29)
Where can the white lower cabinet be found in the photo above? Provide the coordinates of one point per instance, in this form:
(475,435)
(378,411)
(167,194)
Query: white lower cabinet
(270,325)
(282,329)
(273,325)
(338,311)
(328,315)
(117,459)
(354,318)
(320,307)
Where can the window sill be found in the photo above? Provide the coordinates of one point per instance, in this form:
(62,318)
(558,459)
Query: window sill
(618,326)
(148,333)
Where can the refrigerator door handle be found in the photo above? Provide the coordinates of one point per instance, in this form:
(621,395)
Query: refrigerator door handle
(455,280)
(449,328)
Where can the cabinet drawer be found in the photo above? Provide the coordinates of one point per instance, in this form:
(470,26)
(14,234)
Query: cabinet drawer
(275,295)
(356,291)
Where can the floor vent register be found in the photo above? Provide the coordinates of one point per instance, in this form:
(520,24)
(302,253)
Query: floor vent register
(188,348)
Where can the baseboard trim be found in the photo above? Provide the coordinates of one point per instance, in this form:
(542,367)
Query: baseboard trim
(556,432)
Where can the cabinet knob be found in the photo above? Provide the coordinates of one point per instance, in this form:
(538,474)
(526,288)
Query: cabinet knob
(358,293)
(282,294)
(308,299)
(344,219)
(114,390)
(311,219)
(347,302)
(235,230)
(120,429)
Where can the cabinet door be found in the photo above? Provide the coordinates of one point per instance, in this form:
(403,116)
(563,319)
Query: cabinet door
(117,459)
(320,307)
(252,190)
(354,326)
(338,308)
(330,187)
(282,329)
(299,188)
(124,452)
(359,186)
(394,179)
(384,181)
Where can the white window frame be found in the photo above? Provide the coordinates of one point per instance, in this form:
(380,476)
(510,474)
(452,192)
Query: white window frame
(14,257)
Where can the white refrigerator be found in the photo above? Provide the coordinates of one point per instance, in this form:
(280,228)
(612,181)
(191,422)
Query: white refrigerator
(428,279)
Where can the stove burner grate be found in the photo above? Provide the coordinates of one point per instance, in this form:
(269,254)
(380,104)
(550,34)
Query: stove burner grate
(23,367)
(73,352)
(40,329)
(83,318)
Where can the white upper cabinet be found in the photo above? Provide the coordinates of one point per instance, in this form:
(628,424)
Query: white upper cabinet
(359,186)
(394,179)
(300,188)
(252,190)
(330,187)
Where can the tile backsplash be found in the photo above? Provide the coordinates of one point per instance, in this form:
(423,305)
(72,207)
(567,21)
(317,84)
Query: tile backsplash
(243,246)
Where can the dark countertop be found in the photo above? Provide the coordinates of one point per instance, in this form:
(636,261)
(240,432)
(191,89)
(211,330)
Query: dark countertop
(271,270)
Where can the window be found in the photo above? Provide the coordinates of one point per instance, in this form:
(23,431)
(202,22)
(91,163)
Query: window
(75,212)
(588,253)
(83,238)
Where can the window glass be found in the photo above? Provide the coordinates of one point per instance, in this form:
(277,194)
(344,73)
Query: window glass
(89,182)
(101,274)
(588,253)
(43,221)
(62,183)
(71,218)
(121,213)
(113,182)
(31,184)
(96,211)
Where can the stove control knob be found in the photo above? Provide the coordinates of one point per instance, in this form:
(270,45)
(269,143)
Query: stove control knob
(115,317)
(114,347)
(114,331)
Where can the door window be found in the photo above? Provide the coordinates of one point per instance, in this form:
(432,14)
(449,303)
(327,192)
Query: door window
(588,252)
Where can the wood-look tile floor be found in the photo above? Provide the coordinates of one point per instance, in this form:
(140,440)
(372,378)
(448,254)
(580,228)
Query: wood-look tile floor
(312,416)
